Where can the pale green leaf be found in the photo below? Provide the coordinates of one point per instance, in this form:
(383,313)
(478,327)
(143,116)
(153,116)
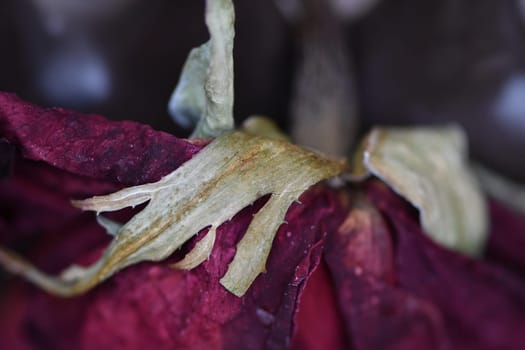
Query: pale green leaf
(187,104)
(200,253)
(203,97)
(429,167)
(263,126)
(206,191)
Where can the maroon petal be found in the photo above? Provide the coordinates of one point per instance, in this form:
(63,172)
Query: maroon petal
(147,305)
(507,239)
(153,305)
(123,152)
(479,305)
(377,313)
(319,323)
(397,289)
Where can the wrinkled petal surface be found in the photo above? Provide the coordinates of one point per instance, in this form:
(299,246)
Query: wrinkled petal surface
(398,290)
(350,271)
(147,305)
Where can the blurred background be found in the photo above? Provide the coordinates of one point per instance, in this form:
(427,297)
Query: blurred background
(407,61)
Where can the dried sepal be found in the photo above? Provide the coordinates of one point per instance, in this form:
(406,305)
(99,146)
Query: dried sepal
(203,97)
(263,126)
(200,253)
(188,101)
(429,167)
(206,191)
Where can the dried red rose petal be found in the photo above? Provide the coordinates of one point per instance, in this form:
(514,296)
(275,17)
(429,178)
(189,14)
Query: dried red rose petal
(427,297)
(384,285)
(319,323)
(377,314)
(147,304)
(507,239)
(124,152)
(396,289)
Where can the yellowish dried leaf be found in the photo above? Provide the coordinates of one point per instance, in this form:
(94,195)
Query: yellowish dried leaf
(203,97)
(206,191)
(429,167)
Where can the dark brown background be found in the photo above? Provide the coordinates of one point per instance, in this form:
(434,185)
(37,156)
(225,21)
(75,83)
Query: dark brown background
(429,62)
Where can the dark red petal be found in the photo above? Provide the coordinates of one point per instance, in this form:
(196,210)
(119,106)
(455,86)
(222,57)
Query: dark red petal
(153,305)
(507,239)
(319,323)
(123,152)
(476,305)
(377,313)
(147,305)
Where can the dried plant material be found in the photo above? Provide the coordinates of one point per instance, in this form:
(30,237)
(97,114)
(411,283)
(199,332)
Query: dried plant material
(152,305)
(502,189)
(145,305)
(206,191)
(428,167)
(263,126)
(188,101)
(200,253)
(396,289)
(203,97)
(324,103)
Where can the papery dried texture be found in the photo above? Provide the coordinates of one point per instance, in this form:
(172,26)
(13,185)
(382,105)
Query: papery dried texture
(324,103)
(319,323)
(377,313)
(263,126)
(203,97)
(148,304)
(128,153)
(103,156)
(429,167)
(229,174)
(449,301)
(154,305)
(36,217)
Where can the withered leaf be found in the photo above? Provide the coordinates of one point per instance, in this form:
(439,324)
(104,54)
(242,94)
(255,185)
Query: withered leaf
(203,97)
(429,168)
(206,191)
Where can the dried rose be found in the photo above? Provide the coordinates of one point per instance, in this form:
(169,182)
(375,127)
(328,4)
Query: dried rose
(384,284)
(166,300)
(246,195)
